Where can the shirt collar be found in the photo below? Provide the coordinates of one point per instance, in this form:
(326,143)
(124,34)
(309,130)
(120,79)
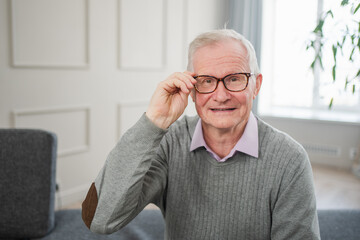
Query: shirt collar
(248,142)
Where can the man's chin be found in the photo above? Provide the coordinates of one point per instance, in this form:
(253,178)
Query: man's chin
(222,125)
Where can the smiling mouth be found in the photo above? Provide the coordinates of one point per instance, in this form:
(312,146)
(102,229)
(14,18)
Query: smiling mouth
(222,109)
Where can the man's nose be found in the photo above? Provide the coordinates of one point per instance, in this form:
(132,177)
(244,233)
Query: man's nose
(221,94)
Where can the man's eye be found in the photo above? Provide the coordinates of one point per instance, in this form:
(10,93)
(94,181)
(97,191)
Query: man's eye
(207,81)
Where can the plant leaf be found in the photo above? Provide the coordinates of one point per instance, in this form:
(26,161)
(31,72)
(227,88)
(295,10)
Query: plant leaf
(334,73)
(346,83)
(312,66)
(318,28)
(351,55)
(344,2)
(340,45)
(343,41)
(357,8)
(310,45)
(331,103)
(334,49)
(329,13)
(358,74)
(353,89)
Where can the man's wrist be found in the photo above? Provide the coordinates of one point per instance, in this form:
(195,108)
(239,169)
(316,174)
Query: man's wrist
(160,122)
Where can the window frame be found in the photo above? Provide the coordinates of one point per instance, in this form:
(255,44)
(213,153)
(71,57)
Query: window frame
(316,110)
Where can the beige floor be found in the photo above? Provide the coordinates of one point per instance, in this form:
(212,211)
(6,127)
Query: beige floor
(334,188)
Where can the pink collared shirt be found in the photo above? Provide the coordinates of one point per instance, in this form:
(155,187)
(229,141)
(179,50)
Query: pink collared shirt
(248,143)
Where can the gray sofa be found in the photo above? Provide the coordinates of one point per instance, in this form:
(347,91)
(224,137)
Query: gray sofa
(27,196)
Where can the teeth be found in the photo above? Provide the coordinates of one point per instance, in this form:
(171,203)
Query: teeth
(226,109)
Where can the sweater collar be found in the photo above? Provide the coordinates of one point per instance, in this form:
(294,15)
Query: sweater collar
(248,142)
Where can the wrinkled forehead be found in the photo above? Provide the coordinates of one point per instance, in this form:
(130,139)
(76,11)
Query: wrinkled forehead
(227,55)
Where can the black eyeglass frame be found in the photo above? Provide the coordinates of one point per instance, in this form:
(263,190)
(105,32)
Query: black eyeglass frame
(248,75)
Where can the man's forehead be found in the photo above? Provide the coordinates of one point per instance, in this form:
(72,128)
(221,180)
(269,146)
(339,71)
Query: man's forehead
(224,46)
(223,55)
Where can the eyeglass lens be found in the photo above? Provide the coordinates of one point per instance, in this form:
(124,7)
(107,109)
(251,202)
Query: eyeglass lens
(235,82)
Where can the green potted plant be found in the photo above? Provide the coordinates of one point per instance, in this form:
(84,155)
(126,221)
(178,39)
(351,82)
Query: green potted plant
(345,47)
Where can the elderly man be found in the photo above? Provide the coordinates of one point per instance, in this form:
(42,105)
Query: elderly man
(224,174)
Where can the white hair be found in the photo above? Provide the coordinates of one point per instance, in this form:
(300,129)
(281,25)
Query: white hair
(216,36)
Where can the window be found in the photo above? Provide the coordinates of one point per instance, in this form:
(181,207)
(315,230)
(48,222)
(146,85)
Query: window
(290,88)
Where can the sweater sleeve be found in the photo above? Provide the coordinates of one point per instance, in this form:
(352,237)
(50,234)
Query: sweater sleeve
(294,215)
(133,176)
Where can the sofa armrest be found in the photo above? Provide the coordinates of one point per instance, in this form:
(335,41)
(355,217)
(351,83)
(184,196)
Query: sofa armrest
(339,224)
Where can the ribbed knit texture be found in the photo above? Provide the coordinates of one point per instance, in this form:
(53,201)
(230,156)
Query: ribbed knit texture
(270,197)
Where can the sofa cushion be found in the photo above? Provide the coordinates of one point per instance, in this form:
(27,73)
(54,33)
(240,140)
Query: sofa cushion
(341,224)
(27,182)
(148,225)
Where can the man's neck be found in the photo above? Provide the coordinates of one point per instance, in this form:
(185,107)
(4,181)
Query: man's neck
(222,141)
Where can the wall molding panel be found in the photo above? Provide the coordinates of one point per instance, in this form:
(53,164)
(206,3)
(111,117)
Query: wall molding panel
(70,196)
(70,124)
(42,37)
(86,70)
(128,113)
(142,35)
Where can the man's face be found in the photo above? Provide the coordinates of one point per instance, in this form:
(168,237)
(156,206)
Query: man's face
(223,109)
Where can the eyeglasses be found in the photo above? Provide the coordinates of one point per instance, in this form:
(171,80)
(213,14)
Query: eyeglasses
(235,82)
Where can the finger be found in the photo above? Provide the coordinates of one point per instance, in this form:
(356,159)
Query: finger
(187,79)
(176,84)
(191,76)
(183,85)
(184,97)
(173,82)
(190,73)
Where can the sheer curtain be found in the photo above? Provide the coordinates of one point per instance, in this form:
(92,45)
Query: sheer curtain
(246,18)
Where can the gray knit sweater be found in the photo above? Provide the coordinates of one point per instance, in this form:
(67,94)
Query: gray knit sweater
(270,197)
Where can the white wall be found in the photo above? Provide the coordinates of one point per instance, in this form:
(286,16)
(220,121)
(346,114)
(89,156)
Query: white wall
(327,142)
(85,69)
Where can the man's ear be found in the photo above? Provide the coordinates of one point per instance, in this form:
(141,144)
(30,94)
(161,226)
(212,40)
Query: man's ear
(257,85)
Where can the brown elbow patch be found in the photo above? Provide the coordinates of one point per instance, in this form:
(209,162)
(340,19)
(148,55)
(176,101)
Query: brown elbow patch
(89,206)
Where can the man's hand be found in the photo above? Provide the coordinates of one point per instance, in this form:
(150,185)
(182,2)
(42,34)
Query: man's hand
(170,99)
